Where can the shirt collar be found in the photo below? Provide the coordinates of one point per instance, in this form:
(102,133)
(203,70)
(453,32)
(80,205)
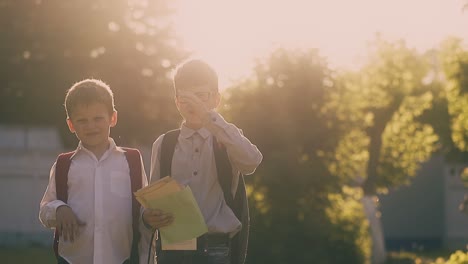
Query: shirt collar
(112,147)
(187,132)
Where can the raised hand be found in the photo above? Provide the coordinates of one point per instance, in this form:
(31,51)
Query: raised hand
(192,107)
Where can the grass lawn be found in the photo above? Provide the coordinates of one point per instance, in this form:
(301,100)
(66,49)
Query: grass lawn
(422,257)
(36,255)
(45,255)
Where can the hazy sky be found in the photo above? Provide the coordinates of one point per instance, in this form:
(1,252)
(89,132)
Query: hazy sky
(231,33)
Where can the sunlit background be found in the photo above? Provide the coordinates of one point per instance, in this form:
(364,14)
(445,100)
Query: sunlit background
(232,33)
(360,109)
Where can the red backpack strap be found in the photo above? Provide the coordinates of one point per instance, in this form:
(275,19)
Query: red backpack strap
(134,163)
(62,166)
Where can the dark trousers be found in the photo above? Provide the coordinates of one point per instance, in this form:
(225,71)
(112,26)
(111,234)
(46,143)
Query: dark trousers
(211,249)
(61,261)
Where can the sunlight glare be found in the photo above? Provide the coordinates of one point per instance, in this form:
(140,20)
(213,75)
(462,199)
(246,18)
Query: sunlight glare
(230,34)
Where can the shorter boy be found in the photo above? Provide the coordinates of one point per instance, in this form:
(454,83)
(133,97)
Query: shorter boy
(93,212)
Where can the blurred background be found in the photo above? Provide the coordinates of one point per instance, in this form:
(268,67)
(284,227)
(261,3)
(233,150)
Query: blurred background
(360,109)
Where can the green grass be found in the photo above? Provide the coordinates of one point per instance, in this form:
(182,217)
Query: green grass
(422,257)
(36,255)
(45,255)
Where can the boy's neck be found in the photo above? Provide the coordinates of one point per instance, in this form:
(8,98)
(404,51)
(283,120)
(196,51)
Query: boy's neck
(98,151)
(194,126)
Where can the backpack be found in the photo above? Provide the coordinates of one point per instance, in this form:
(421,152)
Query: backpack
(238,203)
(133,157)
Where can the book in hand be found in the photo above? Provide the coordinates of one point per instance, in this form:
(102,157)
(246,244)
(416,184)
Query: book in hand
(167,195)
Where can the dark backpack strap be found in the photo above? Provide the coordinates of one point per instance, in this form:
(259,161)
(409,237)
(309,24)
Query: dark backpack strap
(238,203)
(62,166)
(166,153)
(134,163)
(224,170)
(168,144)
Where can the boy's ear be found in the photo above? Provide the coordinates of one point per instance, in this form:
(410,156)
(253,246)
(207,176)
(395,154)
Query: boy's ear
(70,125)
(113,120)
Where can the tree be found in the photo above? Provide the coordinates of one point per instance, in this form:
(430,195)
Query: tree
(380,106)
(299,206)
(49,45)
(454,65)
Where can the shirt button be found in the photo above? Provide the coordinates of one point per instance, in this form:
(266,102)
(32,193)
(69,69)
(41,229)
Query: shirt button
(196,150)
(195,173)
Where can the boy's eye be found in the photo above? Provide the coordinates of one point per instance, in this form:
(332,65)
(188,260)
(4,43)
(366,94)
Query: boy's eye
(81,121)
(203,95)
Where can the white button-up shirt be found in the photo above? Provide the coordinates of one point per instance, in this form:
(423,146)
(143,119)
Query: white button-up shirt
(99,193)
(193,164)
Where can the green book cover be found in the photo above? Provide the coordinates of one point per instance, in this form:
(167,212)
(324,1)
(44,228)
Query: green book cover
(188,220)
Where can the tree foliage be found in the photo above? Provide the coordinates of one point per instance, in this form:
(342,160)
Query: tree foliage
(454,63)
(379,106)
(49,45)
(294,196)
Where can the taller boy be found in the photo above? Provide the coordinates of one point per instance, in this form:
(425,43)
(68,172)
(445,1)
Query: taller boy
(194,163)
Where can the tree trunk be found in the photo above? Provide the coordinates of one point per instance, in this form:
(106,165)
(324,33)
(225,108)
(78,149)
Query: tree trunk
(381,118)
(379,253)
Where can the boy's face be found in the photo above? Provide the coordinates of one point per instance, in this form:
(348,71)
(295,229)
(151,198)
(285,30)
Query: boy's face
(91,124)
(201,96)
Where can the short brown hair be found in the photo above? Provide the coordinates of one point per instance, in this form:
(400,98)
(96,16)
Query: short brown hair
(89,91)
(195,72)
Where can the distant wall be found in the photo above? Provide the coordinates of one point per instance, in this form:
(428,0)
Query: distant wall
(456,222)
(413,216)
(26,155)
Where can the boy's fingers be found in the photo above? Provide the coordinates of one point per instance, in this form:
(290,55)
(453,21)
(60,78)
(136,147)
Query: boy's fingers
(167,222)
(160,221)
(156,212)
(64,233)
(76,231)
(71,231)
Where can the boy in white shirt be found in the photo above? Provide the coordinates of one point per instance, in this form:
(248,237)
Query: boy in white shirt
(94,218)
(194,163)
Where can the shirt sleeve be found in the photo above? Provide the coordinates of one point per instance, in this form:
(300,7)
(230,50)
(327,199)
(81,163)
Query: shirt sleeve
(243,155)
(49,203)
(155,160)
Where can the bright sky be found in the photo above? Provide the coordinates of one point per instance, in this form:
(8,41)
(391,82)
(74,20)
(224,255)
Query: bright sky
(229,33)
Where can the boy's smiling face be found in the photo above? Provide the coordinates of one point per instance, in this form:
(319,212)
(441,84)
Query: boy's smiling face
(91,123)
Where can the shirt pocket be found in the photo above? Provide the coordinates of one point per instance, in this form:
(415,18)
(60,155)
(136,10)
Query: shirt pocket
(120,185)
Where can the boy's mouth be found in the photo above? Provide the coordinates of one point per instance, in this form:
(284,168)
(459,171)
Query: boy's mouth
(92,134)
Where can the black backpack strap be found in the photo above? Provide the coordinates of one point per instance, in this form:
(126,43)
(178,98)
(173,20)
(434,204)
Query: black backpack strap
(168,144)
(224,170)
(133,157)
(238,203)
(166,153)
(62,166)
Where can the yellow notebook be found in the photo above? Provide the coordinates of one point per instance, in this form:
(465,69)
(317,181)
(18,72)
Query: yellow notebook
(168,196)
